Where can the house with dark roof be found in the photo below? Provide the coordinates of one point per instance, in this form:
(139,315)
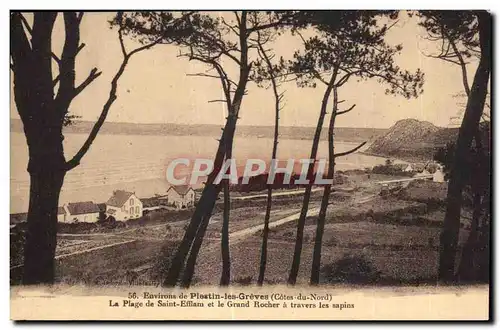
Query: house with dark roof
(61,214)
(16,218)
(181,197)
(124,205)
(80,212)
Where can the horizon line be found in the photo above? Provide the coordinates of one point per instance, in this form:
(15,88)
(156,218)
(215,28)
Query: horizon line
(246,125)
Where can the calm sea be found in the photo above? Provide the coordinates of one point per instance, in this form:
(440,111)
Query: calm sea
(138,162)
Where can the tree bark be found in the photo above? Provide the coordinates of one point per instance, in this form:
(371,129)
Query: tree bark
(195,249)
(318,241)
(265,231)
(226,258)
(265,237)
(467,269)
(41,234)
(470,122)
(294,271)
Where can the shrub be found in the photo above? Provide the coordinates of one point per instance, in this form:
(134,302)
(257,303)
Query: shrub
(76,228)
(246,280)
(391,169)
(162,261)
(350,269)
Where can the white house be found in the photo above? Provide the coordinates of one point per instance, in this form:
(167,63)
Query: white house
(408,168)
(81,212)
(438,176)
(180,196)
(124,205)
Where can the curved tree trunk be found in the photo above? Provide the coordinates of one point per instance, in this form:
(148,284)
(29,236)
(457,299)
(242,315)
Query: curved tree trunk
(318,240)
(468,129)
(205,206)
(200,234)
(188,274)
(203,212)
(294,271)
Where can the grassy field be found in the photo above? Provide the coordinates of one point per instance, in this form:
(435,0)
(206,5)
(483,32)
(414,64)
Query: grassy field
(406,266)
(108,266)
(402,254)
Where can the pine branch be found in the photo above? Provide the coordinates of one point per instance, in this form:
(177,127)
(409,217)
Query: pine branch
(91,77)
(345,111)
(349,151)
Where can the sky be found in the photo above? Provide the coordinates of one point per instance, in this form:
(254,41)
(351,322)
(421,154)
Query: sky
(155,87)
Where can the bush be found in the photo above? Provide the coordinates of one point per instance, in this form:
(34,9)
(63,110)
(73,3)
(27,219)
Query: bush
(350,269)
(246,280)
(108,222)
(77,228)
(391,169)
(162,261)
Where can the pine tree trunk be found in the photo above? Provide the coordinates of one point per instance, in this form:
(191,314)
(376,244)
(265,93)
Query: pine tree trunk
(265,231)
(467,269)
(265,237)
(188,274)
(320,227)
(483,259)
(205,206)
(41,234)
(294,271)
(195,232)
(198,241)
(470,124)
(46,167)
(226,259)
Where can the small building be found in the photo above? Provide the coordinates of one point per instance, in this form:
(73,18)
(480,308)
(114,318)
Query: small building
(180,196)
(438,176)
(408,168)
(124,205)
(61,214)
(81,212)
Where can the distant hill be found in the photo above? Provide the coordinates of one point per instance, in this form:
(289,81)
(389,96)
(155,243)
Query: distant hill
(412,139)
(344,134)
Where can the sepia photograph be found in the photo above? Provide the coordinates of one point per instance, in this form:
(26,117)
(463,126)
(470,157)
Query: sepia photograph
(250,165)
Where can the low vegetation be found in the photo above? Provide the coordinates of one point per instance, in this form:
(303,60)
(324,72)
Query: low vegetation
(350,269)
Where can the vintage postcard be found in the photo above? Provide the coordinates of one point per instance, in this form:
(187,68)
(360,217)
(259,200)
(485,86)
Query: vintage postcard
(250,165)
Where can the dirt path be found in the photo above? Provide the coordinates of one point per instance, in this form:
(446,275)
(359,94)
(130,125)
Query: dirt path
(284,193)
(240,235)
(118,233)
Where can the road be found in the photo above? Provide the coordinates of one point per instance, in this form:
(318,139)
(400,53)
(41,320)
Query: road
(284,193)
